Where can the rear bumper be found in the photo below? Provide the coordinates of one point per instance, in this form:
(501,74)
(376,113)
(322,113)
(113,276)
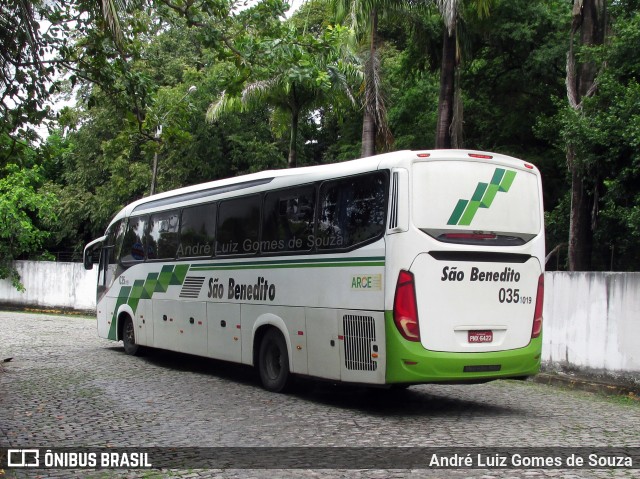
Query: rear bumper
(409,362)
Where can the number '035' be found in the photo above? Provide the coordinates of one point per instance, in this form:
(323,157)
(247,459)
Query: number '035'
(508,295)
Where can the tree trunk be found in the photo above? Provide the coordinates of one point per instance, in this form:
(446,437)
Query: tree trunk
(580,232)
(447,89)
(368,116)
(293,151)
(588,16)
(368,135)
(154,173)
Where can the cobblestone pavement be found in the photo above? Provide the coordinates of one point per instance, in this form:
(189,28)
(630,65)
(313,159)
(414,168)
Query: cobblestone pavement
(65,387)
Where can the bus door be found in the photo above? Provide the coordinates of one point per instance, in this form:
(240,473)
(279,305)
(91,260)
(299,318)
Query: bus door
(108,272)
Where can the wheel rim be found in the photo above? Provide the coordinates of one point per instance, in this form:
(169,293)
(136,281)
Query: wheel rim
(273,361)
(128,333)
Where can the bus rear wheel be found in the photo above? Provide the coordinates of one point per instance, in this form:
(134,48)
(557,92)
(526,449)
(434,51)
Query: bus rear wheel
(273,362)
(129,338)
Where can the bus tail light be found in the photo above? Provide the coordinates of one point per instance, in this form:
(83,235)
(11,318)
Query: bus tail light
(405,307)
(537,315)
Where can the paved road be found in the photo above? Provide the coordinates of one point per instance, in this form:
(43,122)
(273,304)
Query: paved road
(65,387)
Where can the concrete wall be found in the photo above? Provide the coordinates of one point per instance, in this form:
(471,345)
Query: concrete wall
(52,285)
(591,320)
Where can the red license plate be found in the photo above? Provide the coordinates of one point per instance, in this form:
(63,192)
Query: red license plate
(480,336)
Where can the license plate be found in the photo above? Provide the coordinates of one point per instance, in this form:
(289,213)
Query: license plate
(480,336)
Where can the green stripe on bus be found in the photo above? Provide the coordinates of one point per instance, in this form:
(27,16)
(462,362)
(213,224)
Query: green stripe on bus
(179,273)
(136,294)
(457,212)
(507,181)
(483,196)
(174,275)
(284,266)
(469,213)
(497,176)
(489,196)
(307,263)
(123,295)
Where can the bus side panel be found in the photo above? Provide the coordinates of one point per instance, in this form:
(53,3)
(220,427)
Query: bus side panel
(323,345)
(180,326)
(224,334)
(143,322)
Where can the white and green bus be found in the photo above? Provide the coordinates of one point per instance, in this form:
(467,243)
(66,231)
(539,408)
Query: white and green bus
(403,268)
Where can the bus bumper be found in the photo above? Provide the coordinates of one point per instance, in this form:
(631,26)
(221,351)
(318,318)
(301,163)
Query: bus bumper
(408,362)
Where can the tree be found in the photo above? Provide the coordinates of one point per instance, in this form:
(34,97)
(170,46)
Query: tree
(364,17)
(600,135)
(589,22)
(449,124)
(300,72)
(33,36)
(23,212)
(24,74)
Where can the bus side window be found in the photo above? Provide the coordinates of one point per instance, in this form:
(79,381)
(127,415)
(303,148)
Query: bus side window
(197,231)
(352,211)
(239,226)
(162,235)
(133,248)
(288,219)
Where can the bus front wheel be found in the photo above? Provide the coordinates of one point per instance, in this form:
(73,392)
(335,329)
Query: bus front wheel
(273,362)
(129,337)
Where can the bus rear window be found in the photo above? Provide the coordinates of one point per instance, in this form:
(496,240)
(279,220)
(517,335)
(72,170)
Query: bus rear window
(476,202)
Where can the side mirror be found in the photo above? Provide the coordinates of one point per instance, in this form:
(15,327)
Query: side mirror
(87,259)
(87,255)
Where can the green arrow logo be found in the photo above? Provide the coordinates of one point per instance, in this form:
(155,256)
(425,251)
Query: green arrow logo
(484,195)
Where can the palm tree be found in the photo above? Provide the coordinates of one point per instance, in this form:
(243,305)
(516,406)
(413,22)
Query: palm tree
(308,74)
(363,15)
(449,104)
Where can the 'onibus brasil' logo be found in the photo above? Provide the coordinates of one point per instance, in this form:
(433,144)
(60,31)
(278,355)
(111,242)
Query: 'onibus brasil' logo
(484,195)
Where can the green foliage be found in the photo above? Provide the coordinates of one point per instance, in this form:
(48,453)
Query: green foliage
(414,100)
(605,134)
(295,72)
(99,154)
(24,211)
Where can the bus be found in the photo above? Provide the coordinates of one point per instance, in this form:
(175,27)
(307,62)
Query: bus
(398,269)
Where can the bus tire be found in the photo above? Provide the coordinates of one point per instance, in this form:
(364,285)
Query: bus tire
(273,362)
(129,337)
